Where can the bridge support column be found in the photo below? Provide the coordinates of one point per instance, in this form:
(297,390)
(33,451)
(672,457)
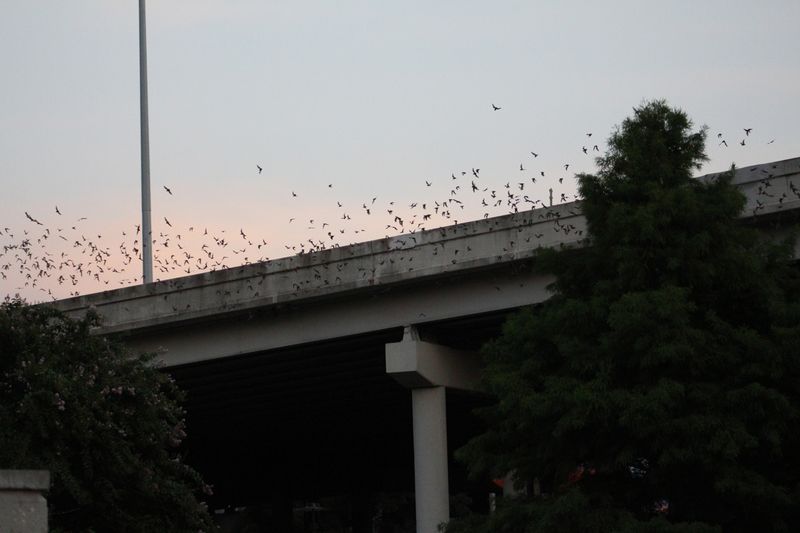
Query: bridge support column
(428,369)
(431,484)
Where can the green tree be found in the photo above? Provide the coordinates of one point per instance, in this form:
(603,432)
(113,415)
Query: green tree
(659,388)
(106,424)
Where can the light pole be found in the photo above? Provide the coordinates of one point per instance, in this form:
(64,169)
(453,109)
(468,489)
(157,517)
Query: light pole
(147,233)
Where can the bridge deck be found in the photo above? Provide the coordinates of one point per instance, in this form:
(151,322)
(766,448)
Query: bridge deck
(458,270)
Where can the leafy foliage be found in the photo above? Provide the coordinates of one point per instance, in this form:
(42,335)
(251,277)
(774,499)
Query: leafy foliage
(106,424)
(659,388)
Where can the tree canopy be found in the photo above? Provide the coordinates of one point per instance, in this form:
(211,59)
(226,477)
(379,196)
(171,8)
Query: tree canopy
(658,389)
(105,422)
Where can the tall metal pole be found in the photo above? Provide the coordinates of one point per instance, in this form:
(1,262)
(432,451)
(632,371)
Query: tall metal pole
(147,233)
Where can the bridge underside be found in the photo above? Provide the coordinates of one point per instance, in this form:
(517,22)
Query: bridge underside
(319,433)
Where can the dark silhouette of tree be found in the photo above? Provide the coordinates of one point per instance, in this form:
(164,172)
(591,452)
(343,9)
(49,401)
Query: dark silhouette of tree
(106,423)
(659,388)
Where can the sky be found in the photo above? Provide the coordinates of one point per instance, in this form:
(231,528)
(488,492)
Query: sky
(342,103)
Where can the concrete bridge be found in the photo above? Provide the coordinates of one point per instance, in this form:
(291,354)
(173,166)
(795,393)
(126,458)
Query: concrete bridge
(353,370)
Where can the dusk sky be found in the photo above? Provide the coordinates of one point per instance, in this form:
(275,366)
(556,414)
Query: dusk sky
(345,102)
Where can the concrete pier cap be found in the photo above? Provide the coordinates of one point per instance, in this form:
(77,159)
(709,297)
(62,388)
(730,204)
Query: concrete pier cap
(415,363)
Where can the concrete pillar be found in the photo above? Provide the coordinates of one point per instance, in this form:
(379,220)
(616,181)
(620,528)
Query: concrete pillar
(431,486)
(427,369)
(23,508)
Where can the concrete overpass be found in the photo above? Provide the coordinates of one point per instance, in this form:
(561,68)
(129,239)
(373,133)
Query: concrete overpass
(345,333)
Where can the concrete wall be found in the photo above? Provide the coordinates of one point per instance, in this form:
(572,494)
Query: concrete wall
(336,272)
(23,507)
(769,187)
